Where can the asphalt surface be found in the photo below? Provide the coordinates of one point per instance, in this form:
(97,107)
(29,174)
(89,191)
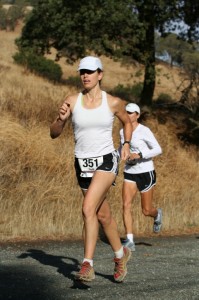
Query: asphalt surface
(161,268)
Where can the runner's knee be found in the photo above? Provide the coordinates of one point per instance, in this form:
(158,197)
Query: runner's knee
(88,211)
(104,218)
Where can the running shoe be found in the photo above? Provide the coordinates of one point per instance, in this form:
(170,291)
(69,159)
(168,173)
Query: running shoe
(86,273)
(158,221)
(129,244)
(120,270)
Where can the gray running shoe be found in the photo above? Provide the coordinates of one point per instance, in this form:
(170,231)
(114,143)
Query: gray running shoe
(158,221)
(127,243)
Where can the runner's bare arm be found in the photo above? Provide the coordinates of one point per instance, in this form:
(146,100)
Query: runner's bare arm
(118,108)
(64,113)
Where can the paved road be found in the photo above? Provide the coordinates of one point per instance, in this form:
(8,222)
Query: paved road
(161,268)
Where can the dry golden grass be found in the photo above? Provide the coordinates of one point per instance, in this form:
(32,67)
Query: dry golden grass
(39,195)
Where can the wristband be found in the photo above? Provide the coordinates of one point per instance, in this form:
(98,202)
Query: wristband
(126,142)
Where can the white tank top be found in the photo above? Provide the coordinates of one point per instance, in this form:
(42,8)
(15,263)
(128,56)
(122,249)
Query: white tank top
(92,129)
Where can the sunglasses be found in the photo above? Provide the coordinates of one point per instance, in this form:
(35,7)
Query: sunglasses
(130,113)
(85,71)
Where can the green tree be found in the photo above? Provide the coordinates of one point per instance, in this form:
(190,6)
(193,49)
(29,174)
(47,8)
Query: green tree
(190,15)
(76,28)
(190,62)
(174,46)
(114,28)
(14,13)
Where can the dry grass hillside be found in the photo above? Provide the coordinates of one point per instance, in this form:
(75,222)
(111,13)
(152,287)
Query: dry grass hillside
(39,193)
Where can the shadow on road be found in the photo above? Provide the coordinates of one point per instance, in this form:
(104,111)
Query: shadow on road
(144,244)
(23,283)
(66,269)
(54,261)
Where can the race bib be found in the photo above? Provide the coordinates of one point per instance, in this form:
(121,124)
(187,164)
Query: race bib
(90,164)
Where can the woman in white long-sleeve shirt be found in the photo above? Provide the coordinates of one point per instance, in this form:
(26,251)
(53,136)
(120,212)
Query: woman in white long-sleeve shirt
(139,174)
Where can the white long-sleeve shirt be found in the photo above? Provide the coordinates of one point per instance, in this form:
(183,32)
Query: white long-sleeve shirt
(144,141)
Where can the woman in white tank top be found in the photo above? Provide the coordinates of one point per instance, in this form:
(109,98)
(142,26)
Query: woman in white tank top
(96,160)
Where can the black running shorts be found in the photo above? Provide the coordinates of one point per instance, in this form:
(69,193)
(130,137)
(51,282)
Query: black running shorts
(110,164)
(144,181)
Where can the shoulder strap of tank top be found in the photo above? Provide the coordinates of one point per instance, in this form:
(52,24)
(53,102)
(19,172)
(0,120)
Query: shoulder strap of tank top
(78,102)
(105,101)
(104,98)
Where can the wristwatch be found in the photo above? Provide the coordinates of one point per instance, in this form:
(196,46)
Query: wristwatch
(140,154)
(126,142)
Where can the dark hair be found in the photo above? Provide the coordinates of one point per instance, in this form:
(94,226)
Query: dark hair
(99,70)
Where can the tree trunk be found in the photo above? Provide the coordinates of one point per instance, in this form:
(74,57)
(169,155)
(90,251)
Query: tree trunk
(185,93)
(149,77)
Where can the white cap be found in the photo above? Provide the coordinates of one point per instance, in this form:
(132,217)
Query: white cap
(90,63)
(132,107)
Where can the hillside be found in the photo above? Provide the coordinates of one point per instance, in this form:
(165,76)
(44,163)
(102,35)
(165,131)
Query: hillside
(39,193)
